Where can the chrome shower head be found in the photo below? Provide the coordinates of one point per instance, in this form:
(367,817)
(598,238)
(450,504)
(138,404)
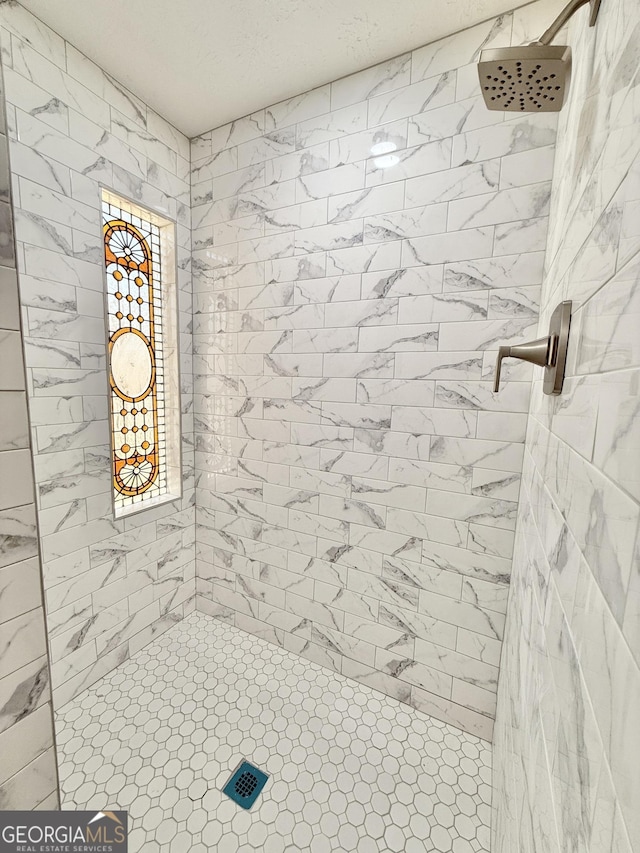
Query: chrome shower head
(534,78)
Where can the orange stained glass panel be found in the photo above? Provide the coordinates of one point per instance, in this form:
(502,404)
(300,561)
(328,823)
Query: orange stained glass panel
(136,365)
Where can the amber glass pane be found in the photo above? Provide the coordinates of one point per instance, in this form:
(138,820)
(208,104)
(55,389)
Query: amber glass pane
(136,368)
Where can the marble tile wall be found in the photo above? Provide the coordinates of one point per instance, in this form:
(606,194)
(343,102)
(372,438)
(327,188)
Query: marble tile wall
(111,586)
(359,252)
(28,773)
(567,740)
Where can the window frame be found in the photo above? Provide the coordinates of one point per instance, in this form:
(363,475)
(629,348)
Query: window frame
(172,385)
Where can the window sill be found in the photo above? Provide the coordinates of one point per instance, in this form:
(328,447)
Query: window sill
(152,503)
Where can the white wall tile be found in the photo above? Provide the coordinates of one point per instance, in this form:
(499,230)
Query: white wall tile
(26,723)
(570,664)
(385,438)
(77,127)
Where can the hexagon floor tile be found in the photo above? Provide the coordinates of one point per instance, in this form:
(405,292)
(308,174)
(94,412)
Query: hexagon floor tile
(350,768)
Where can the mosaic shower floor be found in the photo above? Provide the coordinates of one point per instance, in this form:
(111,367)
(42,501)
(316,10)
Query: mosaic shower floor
(350,768)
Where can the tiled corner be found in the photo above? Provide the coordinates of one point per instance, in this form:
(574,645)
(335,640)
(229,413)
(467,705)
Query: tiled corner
(110,586)
(358,253)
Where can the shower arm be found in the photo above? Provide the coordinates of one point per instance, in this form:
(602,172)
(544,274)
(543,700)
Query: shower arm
(569,10)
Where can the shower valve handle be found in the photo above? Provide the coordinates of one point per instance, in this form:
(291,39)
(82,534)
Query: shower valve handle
(538,352)
(549,352)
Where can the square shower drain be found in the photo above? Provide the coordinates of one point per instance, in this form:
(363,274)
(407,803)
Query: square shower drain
(245,784)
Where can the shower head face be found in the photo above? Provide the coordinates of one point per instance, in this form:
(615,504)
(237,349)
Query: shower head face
(530,79)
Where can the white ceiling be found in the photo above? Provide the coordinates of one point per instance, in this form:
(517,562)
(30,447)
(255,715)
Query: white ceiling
(202,63)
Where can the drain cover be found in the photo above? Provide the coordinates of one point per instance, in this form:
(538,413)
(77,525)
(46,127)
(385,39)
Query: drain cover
(245,784)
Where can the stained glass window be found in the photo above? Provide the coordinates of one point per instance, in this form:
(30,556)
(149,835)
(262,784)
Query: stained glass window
(138,303)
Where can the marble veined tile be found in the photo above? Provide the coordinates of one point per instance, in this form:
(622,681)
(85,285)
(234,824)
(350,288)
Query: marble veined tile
(571,665)
(359,253)
(74,127)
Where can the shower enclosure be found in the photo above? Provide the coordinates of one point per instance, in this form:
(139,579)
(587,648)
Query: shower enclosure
(407,599)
